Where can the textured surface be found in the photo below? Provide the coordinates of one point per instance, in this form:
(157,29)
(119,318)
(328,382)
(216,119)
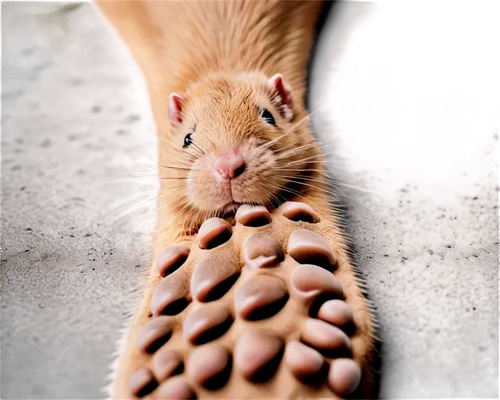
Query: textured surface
(220,344)
(409,106)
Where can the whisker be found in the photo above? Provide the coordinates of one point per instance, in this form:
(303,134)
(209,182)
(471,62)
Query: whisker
(166,140)
(288,190)
(300,169)
(148,167)
(270,143)
(148,216)
(306,146)
(152,212)
(357,188)
(128,211)
(184,219)
(132,198)
(188,167)
(196,146)
(318,155)
(156,176)
(334,183)
(164,166)
(142,180)
(139,180)
(328,162)
(170,144)
(176,168)
(329,192)
(143,221)
(273,198)
(353,199)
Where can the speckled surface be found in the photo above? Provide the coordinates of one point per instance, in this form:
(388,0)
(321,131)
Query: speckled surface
(409,113)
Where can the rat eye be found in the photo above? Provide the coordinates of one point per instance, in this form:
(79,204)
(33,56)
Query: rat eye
(188,139)
(267,117)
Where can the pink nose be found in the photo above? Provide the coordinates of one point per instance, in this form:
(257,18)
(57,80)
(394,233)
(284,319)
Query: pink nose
(229,165)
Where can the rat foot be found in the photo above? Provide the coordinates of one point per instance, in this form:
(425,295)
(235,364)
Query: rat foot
(269,307)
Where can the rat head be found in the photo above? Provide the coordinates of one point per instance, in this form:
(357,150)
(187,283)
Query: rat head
(234,140)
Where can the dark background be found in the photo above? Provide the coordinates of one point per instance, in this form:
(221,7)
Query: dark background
(69,113)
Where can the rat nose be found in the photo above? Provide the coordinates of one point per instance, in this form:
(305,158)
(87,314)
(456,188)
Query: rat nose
(229,165)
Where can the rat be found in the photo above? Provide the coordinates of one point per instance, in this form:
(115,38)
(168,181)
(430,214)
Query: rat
(227,86)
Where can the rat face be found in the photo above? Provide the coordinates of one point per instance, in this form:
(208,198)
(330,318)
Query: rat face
(237,140)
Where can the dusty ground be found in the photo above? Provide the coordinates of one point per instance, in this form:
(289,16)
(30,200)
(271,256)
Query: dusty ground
(410,97)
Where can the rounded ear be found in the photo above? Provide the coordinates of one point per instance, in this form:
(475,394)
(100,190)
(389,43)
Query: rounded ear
(284,94)
(175,103)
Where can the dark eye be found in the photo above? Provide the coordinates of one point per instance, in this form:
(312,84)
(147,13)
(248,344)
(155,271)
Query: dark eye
(267,117)
(188,139)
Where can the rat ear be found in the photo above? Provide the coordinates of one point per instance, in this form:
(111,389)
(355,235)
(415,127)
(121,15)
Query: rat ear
(175,103)
(280,87)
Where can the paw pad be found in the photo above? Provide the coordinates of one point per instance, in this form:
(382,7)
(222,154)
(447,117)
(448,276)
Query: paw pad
(166,362)
(336,312)
(243,301)
(302,360)
(155,334)
(260,297)
(310,282)
(253,216)
(142,382)
(208,363)
(257,355)
(344,376)
(172,258)
(175,388)
(207,323)
(307,247)
(214,276)
(213,233)
(323,336)
(261,250)
(171,296)
(296,211)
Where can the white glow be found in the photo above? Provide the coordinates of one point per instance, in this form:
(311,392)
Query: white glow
(395,91)
(409,67)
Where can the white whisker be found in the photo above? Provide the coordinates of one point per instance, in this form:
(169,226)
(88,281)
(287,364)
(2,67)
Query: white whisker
(128,211)
(316,156)
(334,183)
(328,162)
(336,188)
(142,180)
(149,167)
(293,151)
(275,140)
(182,150)
(356,187)
(132,198)
(146,218)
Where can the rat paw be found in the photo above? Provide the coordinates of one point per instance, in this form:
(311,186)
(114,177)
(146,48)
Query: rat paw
(260,301)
